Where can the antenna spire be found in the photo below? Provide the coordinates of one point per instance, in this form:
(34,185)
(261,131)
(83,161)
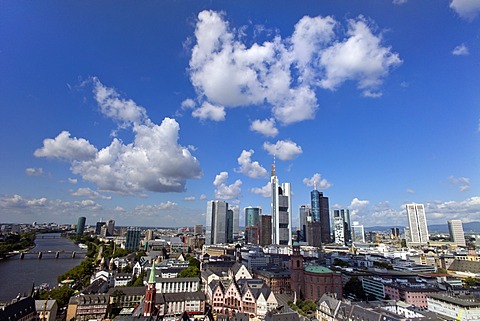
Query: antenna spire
(273,166)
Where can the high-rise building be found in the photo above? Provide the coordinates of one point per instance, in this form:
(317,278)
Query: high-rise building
(198,229)
(81,225)
(265,230)
(229,226)
(313,235)
(149,235)
(110,227)
(132,240)
(321,213)
(342,229)
(358,233)
(305,213)
(417,223)
(98,227)
(236,220)
(252,234)
(281,211)
(252,216)
(217,226)
(455,227)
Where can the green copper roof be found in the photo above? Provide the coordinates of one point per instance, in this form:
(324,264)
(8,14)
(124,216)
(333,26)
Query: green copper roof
(317,269)
(151,279)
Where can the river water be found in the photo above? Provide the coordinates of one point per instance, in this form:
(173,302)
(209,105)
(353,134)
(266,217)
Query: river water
(17,276)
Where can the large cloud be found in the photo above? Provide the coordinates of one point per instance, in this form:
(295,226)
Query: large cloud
(283,149)
(249,168)
(224,191)
(317,181)
(154,161)
(467,9)
(265,127)
(360,57)
(283,73)
(265,191)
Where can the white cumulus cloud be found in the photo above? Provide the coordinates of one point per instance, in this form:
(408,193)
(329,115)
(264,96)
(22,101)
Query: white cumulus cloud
(209,111)
(361,58)
(467,9)
(89,193)
(34,171)
(249,168)
(318,181)
(283,149)
(283,73)
(265,191)
(461,50)
(224,191)
(153,161)
(265,127)
(358,209)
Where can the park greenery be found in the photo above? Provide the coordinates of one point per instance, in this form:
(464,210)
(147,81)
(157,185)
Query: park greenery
(305,308)
(17,242)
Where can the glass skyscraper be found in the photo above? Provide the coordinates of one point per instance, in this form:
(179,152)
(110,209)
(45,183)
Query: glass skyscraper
(219,223)
(417,223)
(281,211)
(252,216)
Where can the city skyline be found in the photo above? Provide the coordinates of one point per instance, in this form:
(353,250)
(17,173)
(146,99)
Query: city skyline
(144,113)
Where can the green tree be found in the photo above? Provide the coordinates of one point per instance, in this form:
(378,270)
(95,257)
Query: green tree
(354,288)
(192,261)
(470,282)
(61,295)
(341,263)
(190,272)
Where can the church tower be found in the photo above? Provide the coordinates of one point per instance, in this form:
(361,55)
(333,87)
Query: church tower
(296,271)
(149,305)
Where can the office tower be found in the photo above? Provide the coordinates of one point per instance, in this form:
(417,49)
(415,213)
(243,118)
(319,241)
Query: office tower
(395,233)
(321,213)
(81,225)
(149,235)
(132,239)
(216,222)
(281,211)
(342,229)
(252,235)
(98,227)
(265,230)
(358,233)
(305,212)
(314,238)
(229,226)
(110,227)
(236,220)
(252,216)
(417,223)
(455,227)
(198,229)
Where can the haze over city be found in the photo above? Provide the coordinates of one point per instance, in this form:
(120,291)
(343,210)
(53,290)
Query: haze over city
(141,114)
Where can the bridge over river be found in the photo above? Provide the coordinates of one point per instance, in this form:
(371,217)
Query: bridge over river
(49,254)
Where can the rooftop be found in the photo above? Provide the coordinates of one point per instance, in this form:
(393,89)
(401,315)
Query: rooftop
(317,269)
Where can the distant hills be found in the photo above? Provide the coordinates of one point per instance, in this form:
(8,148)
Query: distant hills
(435,228)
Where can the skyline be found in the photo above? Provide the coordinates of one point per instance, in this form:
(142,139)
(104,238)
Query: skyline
(142,114)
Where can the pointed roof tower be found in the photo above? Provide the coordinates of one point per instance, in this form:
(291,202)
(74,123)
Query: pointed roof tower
(151,278)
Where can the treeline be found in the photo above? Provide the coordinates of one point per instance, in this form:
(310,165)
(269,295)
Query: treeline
(17,242)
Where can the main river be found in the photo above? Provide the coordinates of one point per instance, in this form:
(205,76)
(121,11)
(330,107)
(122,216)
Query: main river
(17,276)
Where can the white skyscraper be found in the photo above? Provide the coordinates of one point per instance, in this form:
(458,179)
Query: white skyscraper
(281,211)
(417,223)
(455,227)
(216,222)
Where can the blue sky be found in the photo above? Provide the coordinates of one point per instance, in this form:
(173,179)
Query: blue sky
(142,112)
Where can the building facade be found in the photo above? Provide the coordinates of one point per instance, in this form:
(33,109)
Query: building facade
(132,239)
(417,224)
(252,216)
(265,230)
(216,227)
(455,227)
(81,225)
(281,211)
(321,213)
(342,228)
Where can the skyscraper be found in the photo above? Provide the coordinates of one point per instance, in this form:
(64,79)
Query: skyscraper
(236,220)
(132,239)
(98,227)
(342,229)
(229,226)
(455,227)
(281,211)
(321,213)
(81,225)
(110,227)
(265,230)
(417,223)
(305,213)
(252,216)
(216,222)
